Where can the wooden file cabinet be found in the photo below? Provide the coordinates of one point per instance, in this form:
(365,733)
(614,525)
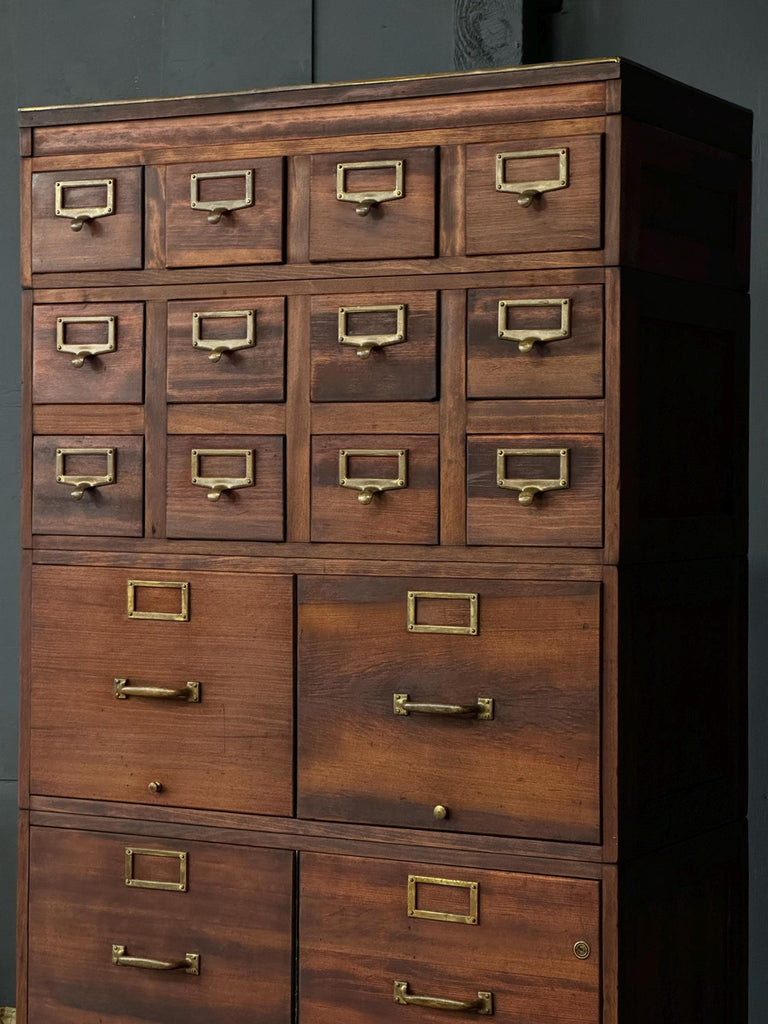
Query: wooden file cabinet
(384,536)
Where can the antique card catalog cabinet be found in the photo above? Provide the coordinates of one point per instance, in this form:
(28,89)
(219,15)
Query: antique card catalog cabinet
(384,537)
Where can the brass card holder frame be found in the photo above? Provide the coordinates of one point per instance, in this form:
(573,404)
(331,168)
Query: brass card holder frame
(371,197)
(472,888)
(78,215)
(482,1005)
(482,709)
(527,191)
(527,337)
(190,964)
(145,883)
(217,485)
(181,616)
(189,692)
(365,343)
(216,208)
(530,488)
(84,481)
(415,627)
(216,347)
(81,352)
(370,486)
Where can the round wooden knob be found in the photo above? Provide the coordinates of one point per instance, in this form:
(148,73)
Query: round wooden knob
(440,812)
(155,787)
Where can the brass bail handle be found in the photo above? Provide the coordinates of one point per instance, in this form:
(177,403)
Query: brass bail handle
(482,1005)
(190,963)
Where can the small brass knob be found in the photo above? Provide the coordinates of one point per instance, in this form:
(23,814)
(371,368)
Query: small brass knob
(581,950)
(440,812)
(155,787)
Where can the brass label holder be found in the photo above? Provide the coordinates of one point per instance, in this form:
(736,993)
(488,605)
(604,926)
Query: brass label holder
(527,337)
(527,191)
(85,481)
(530,488)
(216,208)
(415,627)
(217,347)
(365,343)
(78,215)
(471,917)
(85,351)
(182,615)
(145,883)
(371,486)
(217,485)
(370,197)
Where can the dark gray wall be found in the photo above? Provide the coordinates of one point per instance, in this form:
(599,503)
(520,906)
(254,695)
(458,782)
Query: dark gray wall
(78,50)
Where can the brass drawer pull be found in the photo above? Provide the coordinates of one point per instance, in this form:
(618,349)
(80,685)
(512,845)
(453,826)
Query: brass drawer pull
(190,692)
(83,352)
(217,485)
(530,488)
(371,197)
(482,1005)
(482,709)
(365,343)
(81,481)
(527,337)
(416,627)
(190,964)
(216,208)
(78,215)
(527,191)
(216,347)
(370,486)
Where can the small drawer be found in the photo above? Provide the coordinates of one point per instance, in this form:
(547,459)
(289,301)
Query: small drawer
(91,486)
(372,206)
(143,688)
(87,219)
(224,213)
(534,195)
(442,704)
(535,342)
(532,489)
(375,488)
(374,347)
(147,953)
(225,488)
(88,353)
(226,350)
(410,938)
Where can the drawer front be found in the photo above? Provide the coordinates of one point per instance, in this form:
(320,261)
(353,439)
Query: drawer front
(534,195)
(226,350)
(357,925)
(88,353)
(374,347)
(234,915)
(87,219)
(535,342)
(375,488)
(374,205)
(535,489)
(224,213)
(166,693)
(90,486)
(403,709)
(226,487)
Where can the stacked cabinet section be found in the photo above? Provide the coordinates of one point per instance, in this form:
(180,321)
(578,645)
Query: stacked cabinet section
(382,640)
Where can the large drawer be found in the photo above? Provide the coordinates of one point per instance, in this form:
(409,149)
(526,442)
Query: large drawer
(377,934)
(459,705)
(223,910)
(157,687)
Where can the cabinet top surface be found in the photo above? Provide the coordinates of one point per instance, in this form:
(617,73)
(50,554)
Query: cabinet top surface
(640,86)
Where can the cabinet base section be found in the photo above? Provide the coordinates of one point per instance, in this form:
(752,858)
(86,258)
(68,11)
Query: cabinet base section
(131,925)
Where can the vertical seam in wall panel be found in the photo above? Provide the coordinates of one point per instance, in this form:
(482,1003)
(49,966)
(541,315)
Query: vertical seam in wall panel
(312,39)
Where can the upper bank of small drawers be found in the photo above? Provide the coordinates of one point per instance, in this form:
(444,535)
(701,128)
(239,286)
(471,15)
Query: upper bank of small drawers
(538,194)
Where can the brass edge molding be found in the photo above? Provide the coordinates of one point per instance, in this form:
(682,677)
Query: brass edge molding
(7,1015)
